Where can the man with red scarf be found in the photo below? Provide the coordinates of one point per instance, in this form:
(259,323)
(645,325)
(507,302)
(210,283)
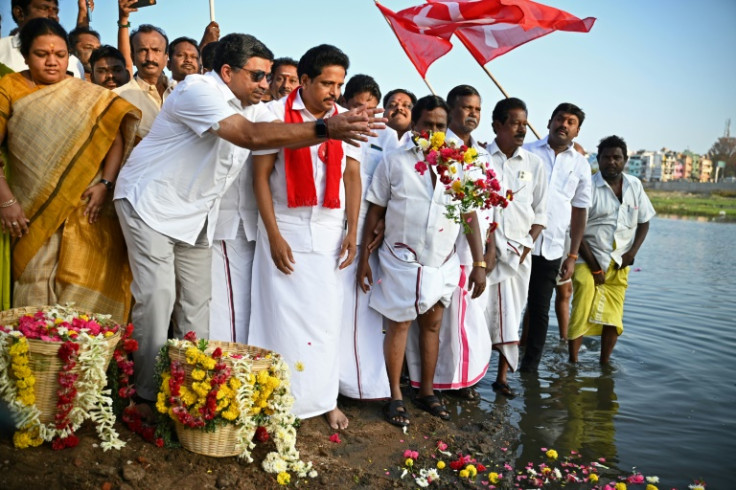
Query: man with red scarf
(305,197)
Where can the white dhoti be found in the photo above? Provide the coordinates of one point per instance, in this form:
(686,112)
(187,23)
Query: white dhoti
(232,267)
(508,286)
(407,289)
(465,342)
(299,316)
(362,365)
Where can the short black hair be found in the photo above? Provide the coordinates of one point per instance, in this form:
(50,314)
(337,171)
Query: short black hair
(395,91)
(145,29)
(460,91)
(569,108)
(359,84)
(428,103)
(40,26)
(504,106)
(208,54)
(612,142)
(236,49)
(23,4)
(283,61)
(105,51)
(319,57)
(79,30)
(182,39)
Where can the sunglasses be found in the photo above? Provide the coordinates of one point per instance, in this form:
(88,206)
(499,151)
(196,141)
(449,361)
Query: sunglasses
(257,75)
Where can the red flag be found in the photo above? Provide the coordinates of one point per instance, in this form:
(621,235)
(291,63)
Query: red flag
(422,49)
(493,39)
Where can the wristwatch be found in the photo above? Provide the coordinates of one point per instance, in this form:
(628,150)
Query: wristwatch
(321,128)
(107,184)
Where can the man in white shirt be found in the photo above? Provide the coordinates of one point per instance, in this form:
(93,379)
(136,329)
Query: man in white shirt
(283,78)
(397,105)
(304,197)
(568,197)
(148,89)
(418,264)
(183,58)
(168,194)
(517,226)
(465,343)
(618,222)
(23,11)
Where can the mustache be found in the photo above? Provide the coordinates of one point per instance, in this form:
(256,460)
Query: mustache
(150,63)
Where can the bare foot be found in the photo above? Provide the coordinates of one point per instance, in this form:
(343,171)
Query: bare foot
(336,419)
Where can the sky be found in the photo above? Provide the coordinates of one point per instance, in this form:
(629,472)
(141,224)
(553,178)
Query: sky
(659,73)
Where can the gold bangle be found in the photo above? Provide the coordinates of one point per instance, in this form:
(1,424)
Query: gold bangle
(599,271)
(573,256)
(7,204)
(481,263)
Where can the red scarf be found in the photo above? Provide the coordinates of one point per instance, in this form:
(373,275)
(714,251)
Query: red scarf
(300,189)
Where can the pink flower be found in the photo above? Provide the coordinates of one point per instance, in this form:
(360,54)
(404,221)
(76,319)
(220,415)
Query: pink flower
(420,167)
(635,479)
(432,158)
(441,446)
(335,438)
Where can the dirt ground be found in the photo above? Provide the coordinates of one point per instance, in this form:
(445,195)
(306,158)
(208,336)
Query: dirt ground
(370,455)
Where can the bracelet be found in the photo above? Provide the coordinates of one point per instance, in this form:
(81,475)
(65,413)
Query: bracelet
(481,263)
(599,271)
(573,256)
(123,26)
(9,203)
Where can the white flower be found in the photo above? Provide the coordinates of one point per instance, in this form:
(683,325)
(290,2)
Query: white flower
(422,482)
(433,474)
(558,473)
(404,473)
(423,143)
(531,471)
(696,486)
(652,479)
(313,474)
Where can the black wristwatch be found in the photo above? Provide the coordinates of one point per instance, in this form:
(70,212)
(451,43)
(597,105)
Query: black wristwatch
(321,128)
(107,184)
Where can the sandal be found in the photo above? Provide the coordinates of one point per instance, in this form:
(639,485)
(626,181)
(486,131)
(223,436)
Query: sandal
(433,405)
(396,414)
(503,388)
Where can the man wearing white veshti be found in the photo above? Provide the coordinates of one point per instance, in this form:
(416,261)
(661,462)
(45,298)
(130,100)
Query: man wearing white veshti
(304,198)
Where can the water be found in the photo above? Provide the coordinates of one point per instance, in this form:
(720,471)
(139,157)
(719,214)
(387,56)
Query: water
(667,403)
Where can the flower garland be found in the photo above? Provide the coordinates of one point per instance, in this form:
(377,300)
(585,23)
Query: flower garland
(67,392)
(470,184)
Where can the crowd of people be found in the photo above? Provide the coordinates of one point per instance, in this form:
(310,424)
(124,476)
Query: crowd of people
(263,200)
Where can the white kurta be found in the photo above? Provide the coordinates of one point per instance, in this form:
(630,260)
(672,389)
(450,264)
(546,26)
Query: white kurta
(525,176)
(465,343)
(362,366)
(300,315)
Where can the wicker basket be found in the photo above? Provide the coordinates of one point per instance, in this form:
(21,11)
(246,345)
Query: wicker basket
(221,442)
(45,363)
(218,444)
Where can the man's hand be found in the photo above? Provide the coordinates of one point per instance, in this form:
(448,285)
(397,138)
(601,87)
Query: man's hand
(490,258)
(96,195)
(348,247)
(364,274)
(477,281)
(281,255)
(600,278)
(377,236)
(211,34)
(626,260)
(524,254)
(354,126)
(125,8)
(568,267)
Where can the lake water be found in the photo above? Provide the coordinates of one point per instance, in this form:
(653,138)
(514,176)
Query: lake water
(667,403)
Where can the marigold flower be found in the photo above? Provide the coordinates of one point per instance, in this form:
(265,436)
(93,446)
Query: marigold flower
(283,478)
(593,478)
(551,454)
(651,487)
(620,486)
(464,474)
(493,477)
(409,462)
(440,465)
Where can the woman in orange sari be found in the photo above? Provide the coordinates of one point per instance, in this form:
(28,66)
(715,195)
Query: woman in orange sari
(66,141)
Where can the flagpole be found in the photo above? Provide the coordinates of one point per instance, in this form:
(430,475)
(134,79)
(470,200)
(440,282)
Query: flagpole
(212,10)
(429,87)
(507,96)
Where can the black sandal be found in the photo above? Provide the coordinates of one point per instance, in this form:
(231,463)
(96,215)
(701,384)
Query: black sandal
(433,405)
(396,414)
(503,388)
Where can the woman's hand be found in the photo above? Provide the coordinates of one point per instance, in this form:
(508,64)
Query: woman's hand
(96,195)
(13,220)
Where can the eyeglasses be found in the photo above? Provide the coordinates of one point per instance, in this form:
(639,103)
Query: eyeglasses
(257,75)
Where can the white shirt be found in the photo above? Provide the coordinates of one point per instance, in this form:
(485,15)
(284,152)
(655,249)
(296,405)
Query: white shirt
(416,226)
(568,176)
(239,205)
(525,176)
(176,176)
(145,97)
(10,56)
(373,151)
(293,222)
(612,224)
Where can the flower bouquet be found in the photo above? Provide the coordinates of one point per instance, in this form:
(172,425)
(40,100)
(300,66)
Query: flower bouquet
(471,185)
(220,394)
(53,363)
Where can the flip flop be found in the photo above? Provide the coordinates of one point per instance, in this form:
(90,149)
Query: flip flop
(396,414)
(503,388)
(433,405)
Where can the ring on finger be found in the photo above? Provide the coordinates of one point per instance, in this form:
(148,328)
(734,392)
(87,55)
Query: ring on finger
(14,223)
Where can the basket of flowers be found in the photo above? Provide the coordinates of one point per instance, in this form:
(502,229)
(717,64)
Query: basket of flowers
(218,394)
(53,363)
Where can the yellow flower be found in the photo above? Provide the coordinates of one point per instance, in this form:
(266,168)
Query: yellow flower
(453,169)
(651,487)
(109,333)
(235,383)
(192,354)
(59,320)
(208,363)
(470,155)
(472,470)
(161,403)
(593,478)
(463,474)
(440,465)
(409,462)
(457,186)
(299,366)
(231,413)
(198,374)
(493,477)
(437,140)
(546,470)
(620,486)
(551,454)
(283,478)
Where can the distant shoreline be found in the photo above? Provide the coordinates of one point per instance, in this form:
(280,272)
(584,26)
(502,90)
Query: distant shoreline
(716,205)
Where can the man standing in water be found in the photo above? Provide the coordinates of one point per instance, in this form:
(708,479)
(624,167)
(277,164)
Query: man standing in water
(618,222)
